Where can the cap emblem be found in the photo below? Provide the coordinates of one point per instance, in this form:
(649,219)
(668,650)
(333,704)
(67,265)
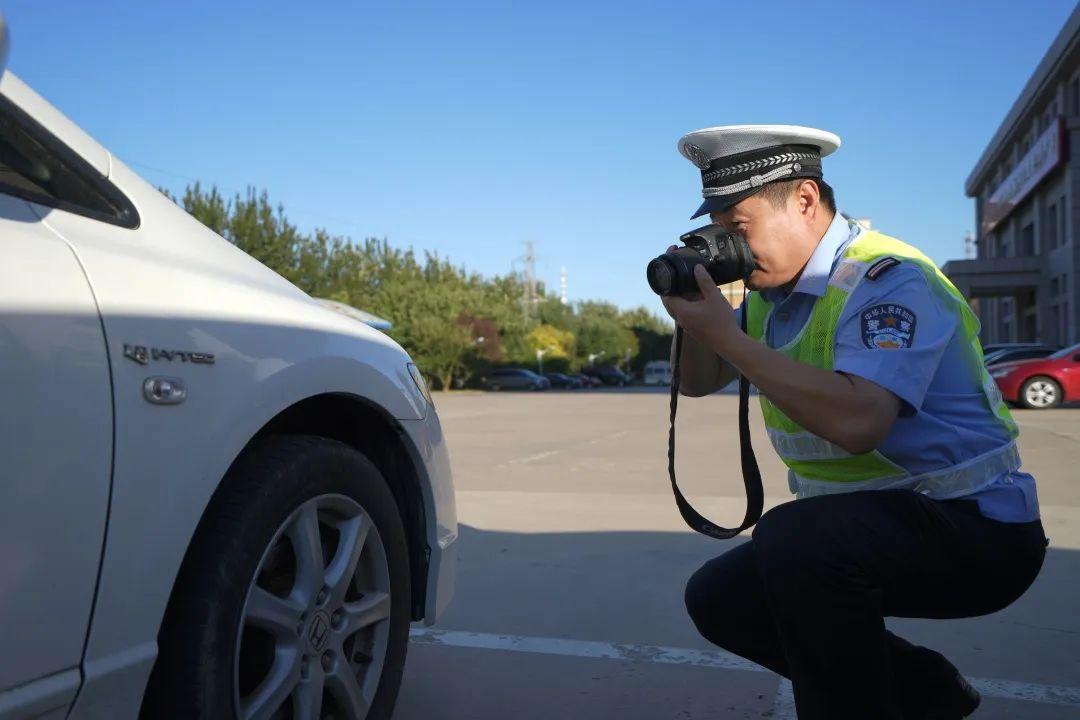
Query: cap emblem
(697,156)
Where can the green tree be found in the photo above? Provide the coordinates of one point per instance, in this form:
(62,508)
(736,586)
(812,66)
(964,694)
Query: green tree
(439,311)
(653,336)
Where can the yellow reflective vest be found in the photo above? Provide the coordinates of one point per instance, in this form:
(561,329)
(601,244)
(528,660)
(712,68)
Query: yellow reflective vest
(817,466)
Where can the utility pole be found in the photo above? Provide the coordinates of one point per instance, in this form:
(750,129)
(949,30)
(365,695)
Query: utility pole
(530,275)
(529,259)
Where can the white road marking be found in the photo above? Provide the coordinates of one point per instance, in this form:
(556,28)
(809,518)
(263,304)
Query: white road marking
(784,704)
(583,648)
(538,456)
(989,687)
(549,453)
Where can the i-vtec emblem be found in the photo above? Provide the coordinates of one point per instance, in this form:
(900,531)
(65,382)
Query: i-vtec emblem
(144,355)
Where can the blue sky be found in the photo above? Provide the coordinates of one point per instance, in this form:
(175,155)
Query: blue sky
(469,128)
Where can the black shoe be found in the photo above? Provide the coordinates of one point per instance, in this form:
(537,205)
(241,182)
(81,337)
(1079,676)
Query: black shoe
(958,700)
(931,688)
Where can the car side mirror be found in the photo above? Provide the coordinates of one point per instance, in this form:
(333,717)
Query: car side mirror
(5,43)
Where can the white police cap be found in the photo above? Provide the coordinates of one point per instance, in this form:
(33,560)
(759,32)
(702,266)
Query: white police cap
(736,160)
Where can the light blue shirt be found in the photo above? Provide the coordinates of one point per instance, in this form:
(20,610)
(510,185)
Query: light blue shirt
(944,419)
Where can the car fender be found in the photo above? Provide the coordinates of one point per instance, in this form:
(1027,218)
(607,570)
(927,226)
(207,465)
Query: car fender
(159,497)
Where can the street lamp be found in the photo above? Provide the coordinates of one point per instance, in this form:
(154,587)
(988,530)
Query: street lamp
(594,356)
(540,359)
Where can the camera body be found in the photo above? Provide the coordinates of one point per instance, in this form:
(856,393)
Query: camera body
(726,257)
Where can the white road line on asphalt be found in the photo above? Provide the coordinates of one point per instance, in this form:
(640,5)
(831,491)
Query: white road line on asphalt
(538,456)
(549,453)
(989,687)
(612,436)
(582,648)
(784,704)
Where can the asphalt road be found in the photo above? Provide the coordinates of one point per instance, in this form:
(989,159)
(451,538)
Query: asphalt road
(573,562)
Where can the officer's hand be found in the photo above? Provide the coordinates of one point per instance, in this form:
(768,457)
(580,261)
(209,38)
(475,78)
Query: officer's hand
(709,320)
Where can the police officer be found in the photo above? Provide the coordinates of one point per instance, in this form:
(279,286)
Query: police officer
(910,501)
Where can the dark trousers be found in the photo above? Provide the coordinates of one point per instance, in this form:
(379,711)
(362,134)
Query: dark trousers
(806,597)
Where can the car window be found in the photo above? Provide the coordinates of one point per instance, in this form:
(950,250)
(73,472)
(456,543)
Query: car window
(1066,352)
(36,166)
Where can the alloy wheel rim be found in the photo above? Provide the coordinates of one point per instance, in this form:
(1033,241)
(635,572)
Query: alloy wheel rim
(1041,394)
(314,630)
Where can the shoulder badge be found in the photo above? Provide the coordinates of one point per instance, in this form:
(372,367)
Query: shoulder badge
(887,327)
(881,267)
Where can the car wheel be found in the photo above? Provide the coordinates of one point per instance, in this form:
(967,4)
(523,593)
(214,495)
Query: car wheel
(294,598)
(1040,393)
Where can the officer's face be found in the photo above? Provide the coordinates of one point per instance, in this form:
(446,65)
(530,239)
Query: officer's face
(778,236)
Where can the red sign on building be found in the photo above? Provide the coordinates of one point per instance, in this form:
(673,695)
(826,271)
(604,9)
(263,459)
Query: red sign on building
(1044,156)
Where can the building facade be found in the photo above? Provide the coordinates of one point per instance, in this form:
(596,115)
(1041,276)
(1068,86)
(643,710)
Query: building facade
(1023,281)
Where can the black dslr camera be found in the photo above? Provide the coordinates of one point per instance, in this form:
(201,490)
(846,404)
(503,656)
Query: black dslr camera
(726,256)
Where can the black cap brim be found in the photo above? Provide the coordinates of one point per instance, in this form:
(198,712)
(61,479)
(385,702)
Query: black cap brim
(723,202)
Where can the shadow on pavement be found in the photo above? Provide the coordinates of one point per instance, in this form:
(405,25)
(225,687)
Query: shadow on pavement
(626,588)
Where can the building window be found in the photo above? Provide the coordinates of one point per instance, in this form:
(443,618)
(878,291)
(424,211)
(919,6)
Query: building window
(1055,287)
(1074,97)
(1027,241)
(1065,337)
(1064,284)
(1062,237)
(1051,227)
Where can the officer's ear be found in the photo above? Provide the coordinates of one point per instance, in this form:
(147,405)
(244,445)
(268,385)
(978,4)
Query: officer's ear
(808,200)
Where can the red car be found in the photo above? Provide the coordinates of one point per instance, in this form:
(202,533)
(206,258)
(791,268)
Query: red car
(1041,384)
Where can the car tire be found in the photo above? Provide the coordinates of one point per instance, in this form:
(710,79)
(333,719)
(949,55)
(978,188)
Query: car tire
(212,651)
(1040,393)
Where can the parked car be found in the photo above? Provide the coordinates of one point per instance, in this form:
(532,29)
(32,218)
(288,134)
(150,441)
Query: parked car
(994,347)
(561,380)
(1012,354)
(587,381)
(1042,383)
(656,372)
(270,475)
(515,379)
(609,375)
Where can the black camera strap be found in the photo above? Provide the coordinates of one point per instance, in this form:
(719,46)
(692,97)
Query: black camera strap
(755,495)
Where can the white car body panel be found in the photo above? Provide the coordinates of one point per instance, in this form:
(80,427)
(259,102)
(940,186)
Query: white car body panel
(175,285)
(56,396)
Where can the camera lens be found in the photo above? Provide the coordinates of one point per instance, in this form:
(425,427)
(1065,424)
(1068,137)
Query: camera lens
(660,275)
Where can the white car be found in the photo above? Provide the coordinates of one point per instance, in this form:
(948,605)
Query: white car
(657,372)
(218,498)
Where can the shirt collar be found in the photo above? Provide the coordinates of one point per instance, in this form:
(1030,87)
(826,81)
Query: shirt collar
(815,275)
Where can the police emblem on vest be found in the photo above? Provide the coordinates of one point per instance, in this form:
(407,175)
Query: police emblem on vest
(887,327)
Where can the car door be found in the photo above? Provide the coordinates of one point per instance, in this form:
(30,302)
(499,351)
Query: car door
(55,430)
(1070,372)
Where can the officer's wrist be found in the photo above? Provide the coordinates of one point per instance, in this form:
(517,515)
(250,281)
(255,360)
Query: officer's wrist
(732,346)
